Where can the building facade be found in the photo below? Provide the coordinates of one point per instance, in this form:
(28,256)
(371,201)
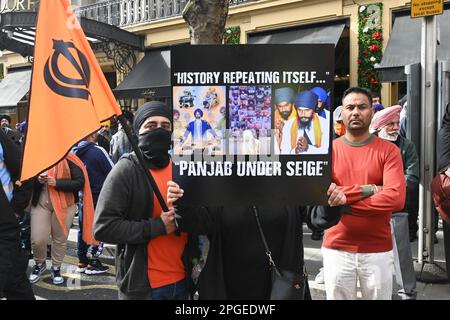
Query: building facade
(161,25)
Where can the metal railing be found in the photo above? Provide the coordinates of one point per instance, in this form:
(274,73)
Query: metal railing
(122,13)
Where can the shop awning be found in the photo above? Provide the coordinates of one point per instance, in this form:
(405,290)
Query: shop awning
(403,47)
(14,87)
(329,32)
(18,32)
(149,78)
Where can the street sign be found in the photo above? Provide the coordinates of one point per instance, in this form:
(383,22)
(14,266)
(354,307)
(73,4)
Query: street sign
(424,8)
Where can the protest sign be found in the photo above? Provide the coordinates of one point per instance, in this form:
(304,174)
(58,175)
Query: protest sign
(252,123)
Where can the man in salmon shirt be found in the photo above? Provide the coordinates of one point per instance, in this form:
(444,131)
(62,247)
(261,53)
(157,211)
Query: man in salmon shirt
(369,171)
(151,258)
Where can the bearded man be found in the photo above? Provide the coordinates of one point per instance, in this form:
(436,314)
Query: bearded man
(286,121)
(313,131)
(387,124)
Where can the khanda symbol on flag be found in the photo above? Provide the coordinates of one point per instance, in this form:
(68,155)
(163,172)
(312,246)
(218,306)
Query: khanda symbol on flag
(71,90)
(69,96)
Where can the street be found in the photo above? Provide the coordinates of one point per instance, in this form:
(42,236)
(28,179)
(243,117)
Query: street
(103,287)
(77,286)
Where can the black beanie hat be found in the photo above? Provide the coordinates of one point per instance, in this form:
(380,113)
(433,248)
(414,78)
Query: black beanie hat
(149,109)
(5,116)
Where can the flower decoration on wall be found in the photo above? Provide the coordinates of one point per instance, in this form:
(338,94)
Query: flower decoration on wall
(370,41)
(232,35)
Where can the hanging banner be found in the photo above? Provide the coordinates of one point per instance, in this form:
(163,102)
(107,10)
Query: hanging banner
(252,123)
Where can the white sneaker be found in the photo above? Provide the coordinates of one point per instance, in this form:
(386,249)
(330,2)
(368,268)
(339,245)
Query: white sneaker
(96,267)
(56,275)
(81,268)
(319,278)
(37,271)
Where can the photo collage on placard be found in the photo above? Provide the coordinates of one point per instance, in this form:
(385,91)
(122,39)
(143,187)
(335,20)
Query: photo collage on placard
(199,117)
(250,119)
(301,120)
(203,121)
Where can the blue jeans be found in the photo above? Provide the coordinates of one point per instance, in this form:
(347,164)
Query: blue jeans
(174,291)
(82,247)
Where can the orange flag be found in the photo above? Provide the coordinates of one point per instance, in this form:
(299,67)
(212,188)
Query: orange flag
(69,95)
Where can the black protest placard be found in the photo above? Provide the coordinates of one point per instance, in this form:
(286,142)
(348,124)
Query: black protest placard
(252,123)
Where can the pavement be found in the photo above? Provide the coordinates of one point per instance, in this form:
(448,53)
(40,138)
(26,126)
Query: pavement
(425,291)
(102,287)
(78,286)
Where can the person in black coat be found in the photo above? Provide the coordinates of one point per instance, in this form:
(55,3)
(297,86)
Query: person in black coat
(128,215)
(237,266)
(14,284)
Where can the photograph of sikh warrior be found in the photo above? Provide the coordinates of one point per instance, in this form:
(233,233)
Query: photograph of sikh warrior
(285,120)
(198,129)
(323,102)
(313,130)
(299,129)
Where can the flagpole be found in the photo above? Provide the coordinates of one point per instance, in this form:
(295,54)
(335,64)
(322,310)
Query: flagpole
(140,157)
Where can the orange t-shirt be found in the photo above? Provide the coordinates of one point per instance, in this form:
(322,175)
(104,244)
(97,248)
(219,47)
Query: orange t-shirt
(165,265)
(366,229)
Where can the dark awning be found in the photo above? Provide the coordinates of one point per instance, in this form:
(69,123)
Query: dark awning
(14,87)
(329,32)
(18,32)
(403,47)
(149,78)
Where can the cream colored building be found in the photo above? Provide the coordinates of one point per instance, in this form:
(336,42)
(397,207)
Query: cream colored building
(160,23)
(279,15)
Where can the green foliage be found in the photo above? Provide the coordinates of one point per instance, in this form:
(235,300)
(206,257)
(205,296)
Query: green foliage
(370,41)
(1,71)
(232,35)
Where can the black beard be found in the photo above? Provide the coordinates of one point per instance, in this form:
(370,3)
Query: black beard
(285,114)
(305,123)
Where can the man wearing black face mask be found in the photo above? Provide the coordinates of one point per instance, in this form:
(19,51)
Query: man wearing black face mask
(150,259)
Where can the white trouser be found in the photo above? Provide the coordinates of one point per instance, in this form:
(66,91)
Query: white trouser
(343,269)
